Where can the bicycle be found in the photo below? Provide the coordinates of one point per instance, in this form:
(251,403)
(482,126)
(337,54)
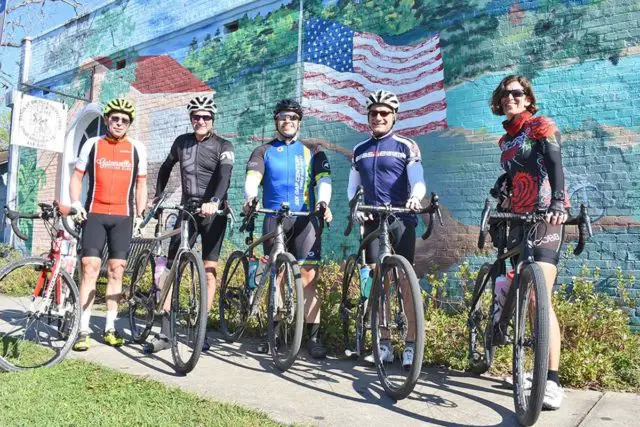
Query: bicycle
(387,311)
(525,312)
(39,301)
(186,282)
(240,299)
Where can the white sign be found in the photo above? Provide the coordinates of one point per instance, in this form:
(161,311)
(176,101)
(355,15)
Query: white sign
(38,123)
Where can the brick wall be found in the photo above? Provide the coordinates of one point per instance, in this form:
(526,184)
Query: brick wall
(582,57)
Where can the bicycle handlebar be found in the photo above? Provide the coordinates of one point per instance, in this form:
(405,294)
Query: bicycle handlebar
(432,210)
(488,217)
(47,212)
(283,212)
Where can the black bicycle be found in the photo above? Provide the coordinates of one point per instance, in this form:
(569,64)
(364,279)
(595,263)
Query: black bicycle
(524,319)
(394,287)
(186,283)
(240,299)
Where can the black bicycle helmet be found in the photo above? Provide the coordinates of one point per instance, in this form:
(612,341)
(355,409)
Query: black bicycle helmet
(288,104)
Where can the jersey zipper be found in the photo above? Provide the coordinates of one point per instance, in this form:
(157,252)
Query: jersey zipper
(375,173)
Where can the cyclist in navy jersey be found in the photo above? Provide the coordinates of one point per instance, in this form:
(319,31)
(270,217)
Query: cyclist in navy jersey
(293,173)
(389,168)
(206,162)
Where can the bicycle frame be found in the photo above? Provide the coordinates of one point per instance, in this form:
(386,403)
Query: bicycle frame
(185,246)
(277,249)
(51,215)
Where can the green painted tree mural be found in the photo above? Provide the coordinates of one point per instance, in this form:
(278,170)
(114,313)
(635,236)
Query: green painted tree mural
(31,179)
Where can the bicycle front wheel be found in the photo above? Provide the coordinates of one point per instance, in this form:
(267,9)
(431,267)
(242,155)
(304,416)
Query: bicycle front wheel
(397,323)
(352,308)
(39,317)
(286,311)
(188,312)
(530,345)
(141,298)
(480,322)
(234,297)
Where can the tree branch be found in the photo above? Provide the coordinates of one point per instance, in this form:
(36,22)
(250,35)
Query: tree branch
(72,3)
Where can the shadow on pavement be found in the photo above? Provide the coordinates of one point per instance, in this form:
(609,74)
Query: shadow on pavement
(313,374)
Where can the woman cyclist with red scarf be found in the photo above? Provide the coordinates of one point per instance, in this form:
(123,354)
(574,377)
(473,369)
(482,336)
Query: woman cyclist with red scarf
(531,157)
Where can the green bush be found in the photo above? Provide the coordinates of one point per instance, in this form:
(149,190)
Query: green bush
(598,348)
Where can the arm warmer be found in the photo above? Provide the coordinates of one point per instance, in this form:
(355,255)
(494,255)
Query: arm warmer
(354,183)
(251,184)
(324,189)
(415,172)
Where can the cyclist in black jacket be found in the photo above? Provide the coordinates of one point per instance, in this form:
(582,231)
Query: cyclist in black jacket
(206,161)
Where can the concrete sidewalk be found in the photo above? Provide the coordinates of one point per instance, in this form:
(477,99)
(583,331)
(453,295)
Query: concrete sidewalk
(337,393)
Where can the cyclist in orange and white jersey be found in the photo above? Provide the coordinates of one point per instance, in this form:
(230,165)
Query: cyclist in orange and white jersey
(116,166)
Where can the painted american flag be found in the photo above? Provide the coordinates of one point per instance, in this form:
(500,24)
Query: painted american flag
(342,66)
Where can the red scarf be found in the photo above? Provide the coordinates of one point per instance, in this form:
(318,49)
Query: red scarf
(514,125)
(536,127)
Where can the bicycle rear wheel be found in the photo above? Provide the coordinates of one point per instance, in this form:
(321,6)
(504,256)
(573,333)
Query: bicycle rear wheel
(389,321)
(188,312)
(141,298)
(39,319)
(234,299)
(286,311)
(530,345)
(352,309)
(480,322)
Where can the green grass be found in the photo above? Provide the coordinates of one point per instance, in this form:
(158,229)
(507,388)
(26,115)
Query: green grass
(83,394)
(24,353)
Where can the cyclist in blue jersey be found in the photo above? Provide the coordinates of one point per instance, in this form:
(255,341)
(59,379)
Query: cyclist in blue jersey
(291,172)
(389,169)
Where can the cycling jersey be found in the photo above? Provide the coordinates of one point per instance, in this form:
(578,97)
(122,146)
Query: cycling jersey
(113,167)
(205,167)
(382,166)
(532,159)
(289,173)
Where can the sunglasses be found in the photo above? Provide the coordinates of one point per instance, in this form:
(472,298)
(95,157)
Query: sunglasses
(516,93)
(379,113)
(197,118)
(116,119)
(284,116)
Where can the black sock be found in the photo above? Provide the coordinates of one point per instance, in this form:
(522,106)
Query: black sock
(314,330)
(553,376)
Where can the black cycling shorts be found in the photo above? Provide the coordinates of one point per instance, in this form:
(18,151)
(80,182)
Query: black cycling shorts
(115,230)
(301,237)
(211,234)
(547,241)
(403,239)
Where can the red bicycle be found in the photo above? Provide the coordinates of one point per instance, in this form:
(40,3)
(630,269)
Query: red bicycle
(39,301)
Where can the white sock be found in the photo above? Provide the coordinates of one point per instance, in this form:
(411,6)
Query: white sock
(84,321)
(111,320)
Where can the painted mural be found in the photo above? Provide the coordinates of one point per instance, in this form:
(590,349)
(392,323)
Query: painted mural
(444,57)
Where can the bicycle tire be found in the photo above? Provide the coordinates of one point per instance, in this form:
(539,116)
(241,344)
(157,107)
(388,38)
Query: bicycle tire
(406,386)
(190,311)
(279,339)
(67,316)
(233,295)
(528,407)
(141,300)
(480,323)
(352,308)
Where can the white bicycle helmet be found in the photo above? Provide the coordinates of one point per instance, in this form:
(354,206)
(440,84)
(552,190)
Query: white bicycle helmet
(383,97)
(202,103)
